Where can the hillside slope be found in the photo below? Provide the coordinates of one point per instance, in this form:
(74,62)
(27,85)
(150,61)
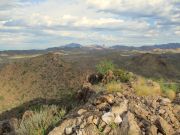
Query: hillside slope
(53,75)
(150,65)
(46,76)
(158,66)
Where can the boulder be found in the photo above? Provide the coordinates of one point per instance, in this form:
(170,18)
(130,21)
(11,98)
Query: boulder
(81,111)
(117,119)
(139,110)
(95,78)
(68,130)
(107,129)
(165,101)
(108,117)
(103,107)
(108,98)
(120,108)
(129,125)
(163,126)
(176,111)
(152,130)
(90,129)
(65,127)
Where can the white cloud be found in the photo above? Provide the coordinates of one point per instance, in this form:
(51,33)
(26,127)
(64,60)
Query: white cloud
(57,22)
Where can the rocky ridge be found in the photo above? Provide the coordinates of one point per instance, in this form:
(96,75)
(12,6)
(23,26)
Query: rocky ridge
(122,113)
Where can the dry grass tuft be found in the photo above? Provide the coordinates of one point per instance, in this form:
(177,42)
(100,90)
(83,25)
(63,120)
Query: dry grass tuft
(170,94)
(41,120)
(145,87)
(114,87)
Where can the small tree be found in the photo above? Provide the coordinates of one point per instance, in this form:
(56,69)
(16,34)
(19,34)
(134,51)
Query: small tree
(104,66)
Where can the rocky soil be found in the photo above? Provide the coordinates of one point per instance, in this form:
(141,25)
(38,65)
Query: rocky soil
(114,113)
(121,114)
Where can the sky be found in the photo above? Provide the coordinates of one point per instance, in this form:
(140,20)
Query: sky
(36,24)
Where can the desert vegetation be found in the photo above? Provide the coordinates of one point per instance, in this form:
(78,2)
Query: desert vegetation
(53,76)
(169,88)
(39,119)
(116,80)
(104,66)
(144,87)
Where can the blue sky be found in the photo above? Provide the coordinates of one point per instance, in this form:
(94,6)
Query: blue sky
(27,24)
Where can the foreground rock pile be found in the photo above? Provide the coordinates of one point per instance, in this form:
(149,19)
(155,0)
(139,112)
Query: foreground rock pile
(122,114)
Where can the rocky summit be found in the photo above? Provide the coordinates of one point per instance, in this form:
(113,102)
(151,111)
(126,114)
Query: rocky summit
(125,113)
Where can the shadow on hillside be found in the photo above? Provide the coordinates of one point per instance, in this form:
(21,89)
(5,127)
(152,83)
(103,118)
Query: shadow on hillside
(18,111)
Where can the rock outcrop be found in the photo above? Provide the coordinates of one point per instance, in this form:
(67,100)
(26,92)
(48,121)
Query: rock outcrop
(122,114)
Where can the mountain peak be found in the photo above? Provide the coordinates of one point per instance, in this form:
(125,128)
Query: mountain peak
(72,45)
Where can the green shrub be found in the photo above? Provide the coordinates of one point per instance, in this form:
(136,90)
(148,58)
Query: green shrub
(104,66)
(122,75)
(41,120)
(113,125)
(169,88)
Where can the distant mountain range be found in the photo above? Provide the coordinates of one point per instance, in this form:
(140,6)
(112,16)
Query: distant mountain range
(76,46)
(160,46)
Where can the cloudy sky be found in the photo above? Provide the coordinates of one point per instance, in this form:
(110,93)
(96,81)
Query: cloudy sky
(26,24)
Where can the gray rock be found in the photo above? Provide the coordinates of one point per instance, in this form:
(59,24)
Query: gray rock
(163,126)
(119,109)
(81,111)
(60,130)
(108,117)
(68,130)
(165,101)
(117,119)
(107,129)
(129,125)
(152,130)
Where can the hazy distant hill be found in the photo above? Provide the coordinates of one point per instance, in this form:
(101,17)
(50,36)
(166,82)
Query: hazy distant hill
(79,47)
(148,48)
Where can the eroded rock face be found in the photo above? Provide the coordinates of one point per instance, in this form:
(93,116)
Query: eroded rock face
(164,127)
(129,125)
(122,114)
(95,78)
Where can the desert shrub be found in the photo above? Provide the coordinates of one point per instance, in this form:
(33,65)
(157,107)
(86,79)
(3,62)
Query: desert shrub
(145,87)
(170,94)
(165,86)
(104,66)
(114,86)
(41,119)
(113,125)
(123,75)
(169,89)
